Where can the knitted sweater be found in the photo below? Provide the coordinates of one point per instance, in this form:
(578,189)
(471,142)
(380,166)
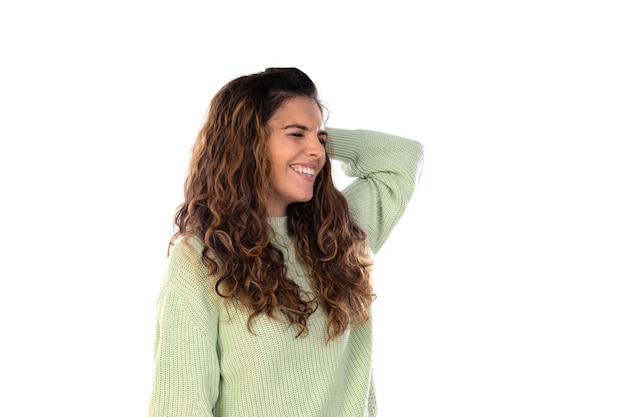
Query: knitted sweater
(207,363)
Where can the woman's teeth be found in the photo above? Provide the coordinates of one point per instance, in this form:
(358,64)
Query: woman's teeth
(303,170)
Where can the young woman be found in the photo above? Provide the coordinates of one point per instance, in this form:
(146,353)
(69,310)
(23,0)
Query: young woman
(265,307)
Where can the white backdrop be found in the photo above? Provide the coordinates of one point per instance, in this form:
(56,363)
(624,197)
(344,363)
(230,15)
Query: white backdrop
(501,292)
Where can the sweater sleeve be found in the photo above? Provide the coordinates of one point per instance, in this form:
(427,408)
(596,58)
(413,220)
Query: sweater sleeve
(187,370)
(387,169)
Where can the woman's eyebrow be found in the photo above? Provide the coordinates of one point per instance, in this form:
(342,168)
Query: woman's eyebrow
(306,129)
(296,126)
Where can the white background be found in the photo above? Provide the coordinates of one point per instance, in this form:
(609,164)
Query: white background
(501,292)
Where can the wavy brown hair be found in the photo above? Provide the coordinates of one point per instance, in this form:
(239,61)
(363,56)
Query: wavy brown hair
(225,203)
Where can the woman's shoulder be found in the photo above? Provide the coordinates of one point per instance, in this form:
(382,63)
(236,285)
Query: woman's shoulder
(186,270)
(188,289)
(187,248)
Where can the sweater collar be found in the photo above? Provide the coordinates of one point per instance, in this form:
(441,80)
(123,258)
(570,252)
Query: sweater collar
(279,224)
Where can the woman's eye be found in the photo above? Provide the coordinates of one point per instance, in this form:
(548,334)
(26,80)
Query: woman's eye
(297,135)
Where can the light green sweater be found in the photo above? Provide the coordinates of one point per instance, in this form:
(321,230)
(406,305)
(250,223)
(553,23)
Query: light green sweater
(207,363)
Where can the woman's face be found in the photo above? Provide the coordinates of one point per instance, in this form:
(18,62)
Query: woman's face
(296,150)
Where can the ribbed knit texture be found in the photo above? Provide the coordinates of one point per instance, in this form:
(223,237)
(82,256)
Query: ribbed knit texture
(207,363)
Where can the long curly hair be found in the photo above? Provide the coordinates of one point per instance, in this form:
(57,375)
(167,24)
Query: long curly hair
(226,193)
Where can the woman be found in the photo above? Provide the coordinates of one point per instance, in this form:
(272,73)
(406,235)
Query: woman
(265,307)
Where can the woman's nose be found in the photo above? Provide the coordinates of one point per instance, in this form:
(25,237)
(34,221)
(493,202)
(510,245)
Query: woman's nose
(315,147)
